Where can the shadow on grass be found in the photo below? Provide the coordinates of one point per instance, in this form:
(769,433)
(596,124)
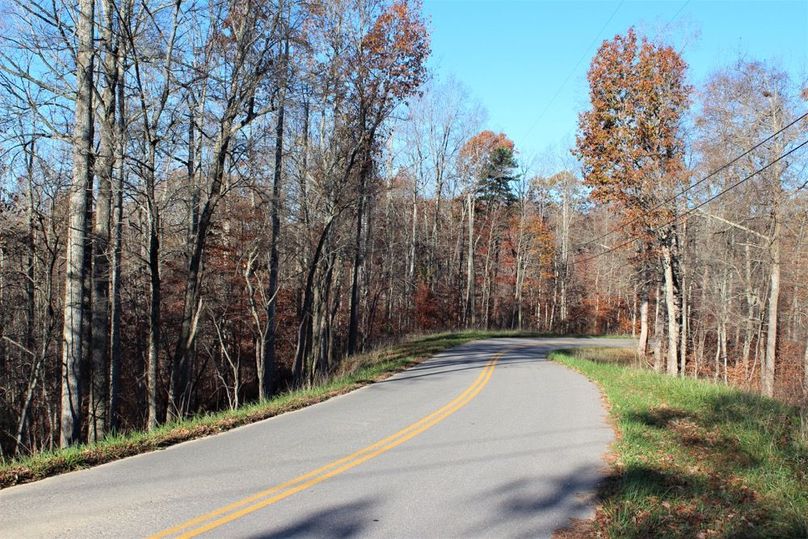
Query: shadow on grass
(698,484)
(728,425)
(696,459)
(650,501)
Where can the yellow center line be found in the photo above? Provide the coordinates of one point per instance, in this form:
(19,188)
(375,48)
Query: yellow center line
(209,521)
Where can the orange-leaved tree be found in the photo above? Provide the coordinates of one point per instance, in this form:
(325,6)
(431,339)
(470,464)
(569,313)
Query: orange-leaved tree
(630,144)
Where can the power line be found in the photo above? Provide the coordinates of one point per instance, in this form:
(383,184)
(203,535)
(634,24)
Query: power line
(676,16)
(702,204)
(583,56)
(693,186)
(572,72)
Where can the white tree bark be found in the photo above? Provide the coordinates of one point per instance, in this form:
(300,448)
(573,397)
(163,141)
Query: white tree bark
(80,198)
(768,365)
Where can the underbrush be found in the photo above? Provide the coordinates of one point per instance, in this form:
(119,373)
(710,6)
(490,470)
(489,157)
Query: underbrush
(354,372)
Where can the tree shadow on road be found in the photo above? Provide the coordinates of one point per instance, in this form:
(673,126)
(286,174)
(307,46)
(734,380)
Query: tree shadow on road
(536,506)
(337,521)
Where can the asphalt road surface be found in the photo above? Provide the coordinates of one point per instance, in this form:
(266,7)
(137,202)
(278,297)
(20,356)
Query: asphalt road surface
(485,440)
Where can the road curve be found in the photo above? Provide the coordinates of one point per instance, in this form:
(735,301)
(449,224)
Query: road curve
(485,440)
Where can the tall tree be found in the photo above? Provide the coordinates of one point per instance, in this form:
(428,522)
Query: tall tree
(269,360)
(75,310)
(105,166)
(487,163)
(742,105)
(246,43)
(630,143)
(390,56)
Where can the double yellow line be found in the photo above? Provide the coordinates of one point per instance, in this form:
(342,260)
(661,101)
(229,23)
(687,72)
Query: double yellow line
(238,509)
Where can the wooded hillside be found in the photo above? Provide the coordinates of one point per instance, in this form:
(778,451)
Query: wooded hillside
(204,203)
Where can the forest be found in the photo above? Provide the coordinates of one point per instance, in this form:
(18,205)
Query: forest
(204,203)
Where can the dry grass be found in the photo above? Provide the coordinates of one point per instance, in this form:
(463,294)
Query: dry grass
(617,356)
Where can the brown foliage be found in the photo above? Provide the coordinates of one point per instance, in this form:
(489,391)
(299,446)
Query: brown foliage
(630,141)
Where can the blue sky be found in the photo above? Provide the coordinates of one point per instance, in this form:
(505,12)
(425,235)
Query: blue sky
(526,61)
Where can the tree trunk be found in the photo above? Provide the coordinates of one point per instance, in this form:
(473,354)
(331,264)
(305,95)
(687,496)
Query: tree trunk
(768,364)
(115,310)
(267,374)
(642,344)
(353,322)
(657,331)
(805,371)
(75,314)
(723,320)
(30,312)
(2,322)
(433,264)
(520,271)
(684,305)
(366,309)
(597,299)
(29,396)
(105,166)
(115,270)
(565,241)
(672,301)
(485,300)
(305,327)
(179,390)
(750,309)
(155,295)
(389,229)
(492,302)
(804,406)
(322,324)
(469,302)
(410,290)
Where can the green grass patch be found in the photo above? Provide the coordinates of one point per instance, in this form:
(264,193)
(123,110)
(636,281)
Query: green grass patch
(354,372)
(693,458)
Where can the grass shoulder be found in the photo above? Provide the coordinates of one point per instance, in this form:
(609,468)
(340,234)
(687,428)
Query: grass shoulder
(693,458)
(353,373)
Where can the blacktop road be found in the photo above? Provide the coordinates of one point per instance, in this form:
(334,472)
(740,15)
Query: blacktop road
(488,439)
